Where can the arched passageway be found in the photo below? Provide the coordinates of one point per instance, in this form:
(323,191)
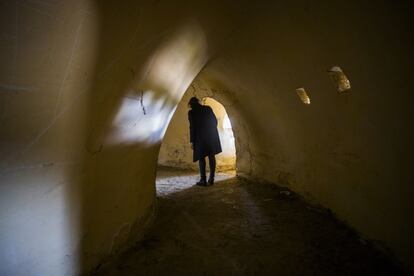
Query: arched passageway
(238,226)
(88,87)
(176,169)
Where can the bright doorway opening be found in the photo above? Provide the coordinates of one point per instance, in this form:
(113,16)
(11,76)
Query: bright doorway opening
(176,169)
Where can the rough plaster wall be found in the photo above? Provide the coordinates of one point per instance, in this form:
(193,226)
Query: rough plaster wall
(87,90)
(349,152)
(72,72)
(175,149)
(48,54)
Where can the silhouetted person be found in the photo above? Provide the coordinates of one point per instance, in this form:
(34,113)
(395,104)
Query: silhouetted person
(204,138)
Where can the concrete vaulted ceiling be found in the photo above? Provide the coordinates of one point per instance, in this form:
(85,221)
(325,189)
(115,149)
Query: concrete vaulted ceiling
(88,89)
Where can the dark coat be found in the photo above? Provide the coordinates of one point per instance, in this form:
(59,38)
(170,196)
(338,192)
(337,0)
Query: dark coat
(203,132)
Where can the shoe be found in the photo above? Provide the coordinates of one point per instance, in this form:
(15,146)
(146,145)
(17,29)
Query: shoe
(201,183)
(211,181)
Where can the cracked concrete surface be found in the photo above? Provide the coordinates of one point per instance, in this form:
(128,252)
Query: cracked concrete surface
(241,228)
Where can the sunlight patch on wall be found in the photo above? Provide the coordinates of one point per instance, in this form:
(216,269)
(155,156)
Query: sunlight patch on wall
(52,228)
(152,98)
(133,123)
(226,122)
(227,158)
(339,78)
(303,95)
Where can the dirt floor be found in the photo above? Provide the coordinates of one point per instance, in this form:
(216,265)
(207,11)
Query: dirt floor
(240,228)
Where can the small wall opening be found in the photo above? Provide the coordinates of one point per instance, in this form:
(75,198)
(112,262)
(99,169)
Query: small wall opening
(339,78)
(303,95)
(176,169)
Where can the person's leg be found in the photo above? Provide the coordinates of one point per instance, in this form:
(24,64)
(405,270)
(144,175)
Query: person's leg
(202,165)
(212,164)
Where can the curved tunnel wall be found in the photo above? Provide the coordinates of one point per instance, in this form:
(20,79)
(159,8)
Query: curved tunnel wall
(80,78)
(346,151)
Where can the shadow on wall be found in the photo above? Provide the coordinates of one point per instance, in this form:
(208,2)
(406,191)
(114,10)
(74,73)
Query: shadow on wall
(175,148)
